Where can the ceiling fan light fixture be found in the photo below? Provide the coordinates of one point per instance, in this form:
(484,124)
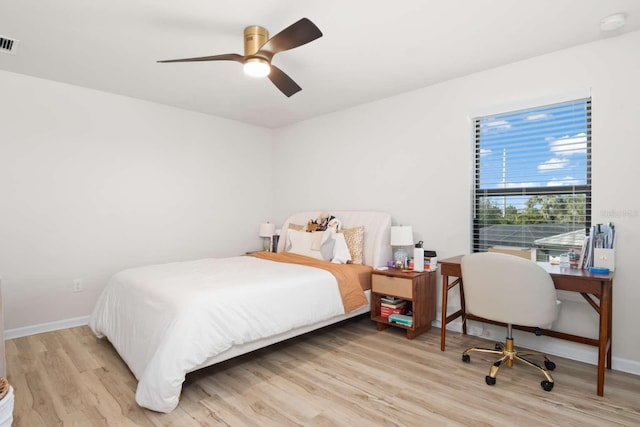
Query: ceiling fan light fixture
(259,50)
(256,67)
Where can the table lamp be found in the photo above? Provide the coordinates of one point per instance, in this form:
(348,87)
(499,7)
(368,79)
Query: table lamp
(267,230)
(401,237)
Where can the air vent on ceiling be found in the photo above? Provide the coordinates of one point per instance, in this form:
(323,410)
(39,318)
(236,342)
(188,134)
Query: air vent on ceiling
(8,45)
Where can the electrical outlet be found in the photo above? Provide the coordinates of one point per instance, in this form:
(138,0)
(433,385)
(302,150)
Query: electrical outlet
(78,286)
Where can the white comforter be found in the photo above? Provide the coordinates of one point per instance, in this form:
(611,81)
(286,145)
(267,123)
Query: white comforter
(165,320)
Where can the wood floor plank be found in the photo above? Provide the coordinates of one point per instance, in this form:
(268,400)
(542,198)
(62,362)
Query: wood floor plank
(42,408)
(74,341)
(343,375)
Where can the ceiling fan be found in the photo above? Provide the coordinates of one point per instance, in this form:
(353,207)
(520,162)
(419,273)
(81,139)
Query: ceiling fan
(259,50)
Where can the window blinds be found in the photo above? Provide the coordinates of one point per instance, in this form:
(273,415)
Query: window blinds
(532,177)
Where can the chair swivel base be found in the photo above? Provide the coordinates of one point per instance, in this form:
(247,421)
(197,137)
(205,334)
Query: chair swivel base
(507,355)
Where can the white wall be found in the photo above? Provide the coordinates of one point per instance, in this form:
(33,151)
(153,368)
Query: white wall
(91,183)
(410,155)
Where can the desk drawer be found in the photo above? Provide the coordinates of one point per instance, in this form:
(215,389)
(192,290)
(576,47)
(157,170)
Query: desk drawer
(395,286)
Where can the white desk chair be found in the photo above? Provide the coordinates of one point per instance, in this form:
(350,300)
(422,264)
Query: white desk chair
(512,290)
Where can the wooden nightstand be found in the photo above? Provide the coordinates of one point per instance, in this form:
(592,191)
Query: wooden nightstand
(418,288)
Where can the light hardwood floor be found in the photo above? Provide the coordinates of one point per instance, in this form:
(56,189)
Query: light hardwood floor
(344,375)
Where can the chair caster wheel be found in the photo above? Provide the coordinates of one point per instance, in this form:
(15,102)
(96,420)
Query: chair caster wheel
(466,358)
(549,365)
(492,381)
(498,346)
(546,385)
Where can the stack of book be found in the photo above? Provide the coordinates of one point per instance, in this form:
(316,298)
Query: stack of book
(430,261)
(392,305)
(401,319)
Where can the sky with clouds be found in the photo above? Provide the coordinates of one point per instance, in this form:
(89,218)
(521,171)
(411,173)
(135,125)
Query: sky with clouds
(541,147)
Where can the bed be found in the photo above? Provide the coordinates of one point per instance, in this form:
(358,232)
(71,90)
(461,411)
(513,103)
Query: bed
(171,319)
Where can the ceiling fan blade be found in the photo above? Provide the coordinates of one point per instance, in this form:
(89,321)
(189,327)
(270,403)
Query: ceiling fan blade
(224,57)
(283,81)
(295,35)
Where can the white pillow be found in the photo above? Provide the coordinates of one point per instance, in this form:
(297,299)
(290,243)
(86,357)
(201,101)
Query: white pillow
(302,243)
(341,252)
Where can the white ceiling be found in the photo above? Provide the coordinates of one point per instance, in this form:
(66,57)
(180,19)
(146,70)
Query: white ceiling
(371,49)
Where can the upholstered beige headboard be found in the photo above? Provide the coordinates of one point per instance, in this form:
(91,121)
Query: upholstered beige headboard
(377,226)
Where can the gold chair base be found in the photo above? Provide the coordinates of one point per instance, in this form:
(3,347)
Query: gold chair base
(507,355)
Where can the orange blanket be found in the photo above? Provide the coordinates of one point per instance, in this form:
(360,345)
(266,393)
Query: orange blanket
(348,276)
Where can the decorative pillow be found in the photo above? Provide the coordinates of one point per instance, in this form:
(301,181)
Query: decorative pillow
(326,250)
(287,242)
(296,227)
(355,241)
(341,254)
(301,244)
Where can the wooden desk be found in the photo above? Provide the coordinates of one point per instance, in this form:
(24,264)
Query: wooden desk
(595,288)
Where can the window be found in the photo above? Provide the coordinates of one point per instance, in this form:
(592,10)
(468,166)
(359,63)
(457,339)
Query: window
(532,178)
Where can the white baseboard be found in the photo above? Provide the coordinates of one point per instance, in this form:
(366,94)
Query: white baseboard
(45,327)
(555,346)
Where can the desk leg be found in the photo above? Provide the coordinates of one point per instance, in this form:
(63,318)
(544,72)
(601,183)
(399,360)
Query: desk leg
(610,322)
(446,287)
(604,338)
(463,307)
(445,295)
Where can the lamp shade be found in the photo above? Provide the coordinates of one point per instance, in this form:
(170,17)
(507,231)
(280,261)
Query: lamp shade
(256,67)
(267,229)
(401,235)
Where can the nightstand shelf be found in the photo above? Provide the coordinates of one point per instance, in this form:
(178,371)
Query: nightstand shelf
(419,288)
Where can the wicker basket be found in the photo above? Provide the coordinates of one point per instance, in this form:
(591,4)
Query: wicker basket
(4,387)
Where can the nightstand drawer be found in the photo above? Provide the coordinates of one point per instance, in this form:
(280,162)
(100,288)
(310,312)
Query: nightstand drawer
(396,286)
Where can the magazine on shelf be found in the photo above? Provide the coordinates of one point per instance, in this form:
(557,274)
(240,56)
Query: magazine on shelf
(601,236)
(391,300)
